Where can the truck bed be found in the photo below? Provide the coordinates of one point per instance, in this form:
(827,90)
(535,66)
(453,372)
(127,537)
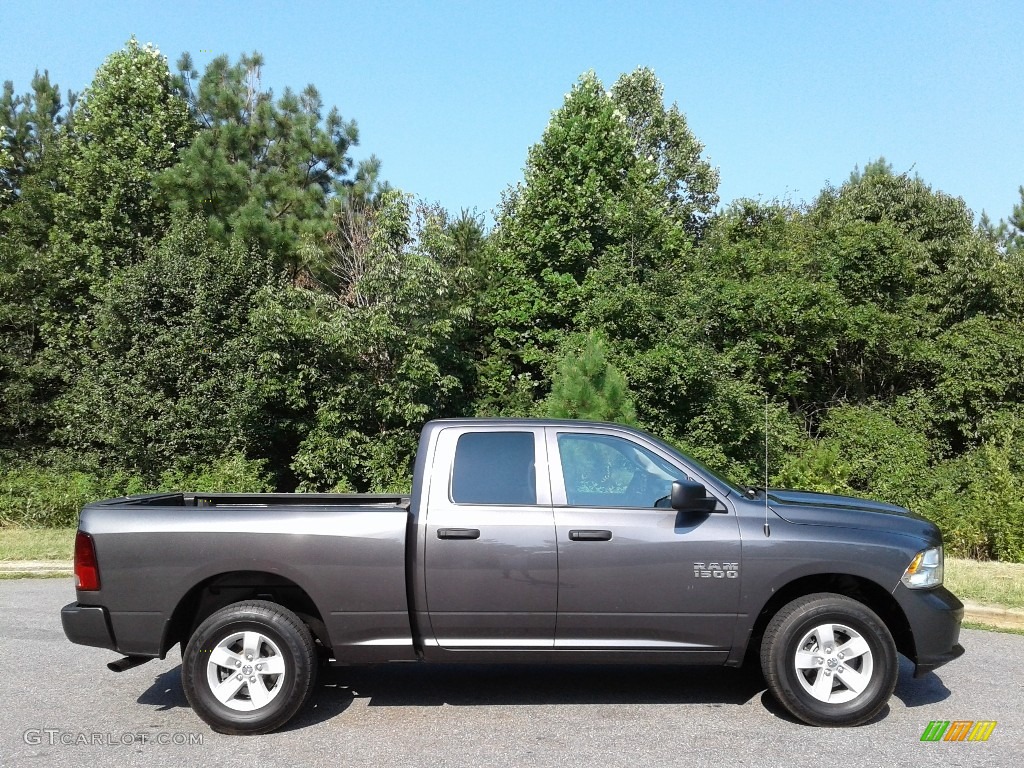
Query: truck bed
(346,553)
(257,500)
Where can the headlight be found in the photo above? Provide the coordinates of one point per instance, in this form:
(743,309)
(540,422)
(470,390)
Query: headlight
(925,570)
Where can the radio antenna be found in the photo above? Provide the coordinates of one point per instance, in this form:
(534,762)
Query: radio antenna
(767,528)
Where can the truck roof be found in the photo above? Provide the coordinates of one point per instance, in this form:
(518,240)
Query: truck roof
(529,422)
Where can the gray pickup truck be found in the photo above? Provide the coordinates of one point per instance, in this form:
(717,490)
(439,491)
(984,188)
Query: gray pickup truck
(522,541)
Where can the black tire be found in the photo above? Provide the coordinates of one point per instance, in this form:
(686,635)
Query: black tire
(829,690)
(273,631)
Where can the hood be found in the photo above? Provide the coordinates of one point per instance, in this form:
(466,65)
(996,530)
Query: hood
(811,508)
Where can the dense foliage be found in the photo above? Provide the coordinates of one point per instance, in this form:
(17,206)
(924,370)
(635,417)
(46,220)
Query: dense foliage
(200,288)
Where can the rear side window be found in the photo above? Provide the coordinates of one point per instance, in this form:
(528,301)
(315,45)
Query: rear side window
(494,468)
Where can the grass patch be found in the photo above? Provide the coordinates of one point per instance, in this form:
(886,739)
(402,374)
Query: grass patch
(21,575)
(988,582)
(990,628)
(37,543)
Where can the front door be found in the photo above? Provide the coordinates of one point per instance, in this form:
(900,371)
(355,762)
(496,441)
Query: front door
(635,574)
(491,565)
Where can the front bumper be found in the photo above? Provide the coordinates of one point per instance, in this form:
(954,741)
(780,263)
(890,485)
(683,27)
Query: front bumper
(934,616)
(87,625)
(924,666)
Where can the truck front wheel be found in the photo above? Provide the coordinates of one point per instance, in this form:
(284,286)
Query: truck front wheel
(829,660)
(249,667)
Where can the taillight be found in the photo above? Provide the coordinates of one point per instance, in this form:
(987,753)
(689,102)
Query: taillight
(87,572)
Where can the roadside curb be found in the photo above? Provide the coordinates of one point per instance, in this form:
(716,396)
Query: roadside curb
(993,615)
(37,567)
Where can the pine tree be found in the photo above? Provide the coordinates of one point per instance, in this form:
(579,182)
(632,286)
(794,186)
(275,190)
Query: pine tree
(266,169)
(29,126)
(1012,231)
(587,386)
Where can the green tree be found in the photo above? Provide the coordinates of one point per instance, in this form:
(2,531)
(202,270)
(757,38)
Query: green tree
(975,498)
(610,195)
(29,127)
(20,409)
(980,378)
(877,167)
(587,386)
(389,353)
(129,124)
(469,235)
(907,262)
(265,169)
(689,183)
(885,448)
(173,379)
(898,242)
(768,298)
(1011,231)
(551,230)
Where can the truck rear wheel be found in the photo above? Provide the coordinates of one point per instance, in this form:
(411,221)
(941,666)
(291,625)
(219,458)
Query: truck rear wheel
(829,660)
(249,667)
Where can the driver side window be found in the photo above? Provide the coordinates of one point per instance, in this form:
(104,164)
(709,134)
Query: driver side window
(607,471)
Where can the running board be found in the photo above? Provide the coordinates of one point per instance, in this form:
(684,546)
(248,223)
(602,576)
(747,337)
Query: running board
(128,662)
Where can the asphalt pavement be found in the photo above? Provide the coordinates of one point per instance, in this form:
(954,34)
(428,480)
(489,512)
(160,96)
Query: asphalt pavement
(59,705)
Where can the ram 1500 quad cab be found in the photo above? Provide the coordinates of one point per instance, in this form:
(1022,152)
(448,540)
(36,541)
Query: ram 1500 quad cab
(530,541)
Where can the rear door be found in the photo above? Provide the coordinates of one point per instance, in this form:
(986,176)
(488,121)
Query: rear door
(635,574)
(491,564)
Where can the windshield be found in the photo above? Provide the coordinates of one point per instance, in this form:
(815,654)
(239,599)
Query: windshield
(700,467)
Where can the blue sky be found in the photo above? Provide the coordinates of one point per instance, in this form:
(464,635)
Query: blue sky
(450,95)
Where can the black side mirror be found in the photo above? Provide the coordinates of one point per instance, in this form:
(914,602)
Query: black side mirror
(688,496)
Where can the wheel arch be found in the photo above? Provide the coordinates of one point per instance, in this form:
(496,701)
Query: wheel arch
(222,589)
(863,590)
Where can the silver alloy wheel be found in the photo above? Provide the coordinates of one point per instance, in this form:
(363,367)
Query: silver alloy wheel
(833,663)
(246,671)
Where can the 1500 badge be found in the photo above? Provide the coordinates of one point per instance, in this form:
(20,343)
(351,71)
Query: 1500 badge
(716,570)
